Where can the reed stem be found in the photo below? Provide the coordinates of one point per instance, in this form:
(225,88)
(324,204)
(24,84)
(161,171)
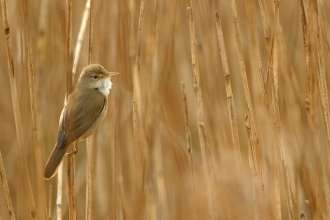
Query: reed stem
(17,115)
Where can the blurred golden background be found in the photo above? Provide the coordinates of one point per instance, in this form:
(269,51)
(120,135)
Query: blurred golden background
(153,176)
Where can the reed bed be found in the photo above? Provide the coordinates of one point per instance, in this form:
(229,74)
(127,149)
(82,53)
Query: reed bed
(220,110)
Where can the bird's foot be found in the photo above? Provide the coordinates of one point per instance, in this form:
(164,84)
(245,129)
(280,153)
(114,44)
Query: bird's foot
(74,151)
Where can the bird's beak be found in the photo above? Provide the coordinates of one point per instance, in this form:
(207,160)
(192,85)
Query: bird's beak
(112,74)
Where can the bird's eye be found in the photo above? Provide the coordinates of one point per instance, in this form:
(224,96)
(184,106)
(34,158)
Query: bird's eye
(95,76)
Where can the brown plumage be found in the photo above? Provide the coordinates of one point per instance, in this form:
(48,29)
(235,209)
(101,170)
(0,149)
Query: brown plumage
(84,110)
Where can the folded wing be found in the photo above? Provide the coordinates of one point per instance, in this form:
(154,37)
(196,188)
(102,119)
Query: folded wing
(78,116)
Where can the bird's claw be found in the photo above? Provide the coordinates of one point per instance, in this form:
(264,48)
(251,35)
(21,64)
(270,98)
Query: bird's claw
(74,151)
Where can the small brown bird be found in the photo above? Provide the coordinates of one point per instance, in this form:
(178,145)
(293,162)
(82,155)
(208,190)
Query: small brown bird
(83,112)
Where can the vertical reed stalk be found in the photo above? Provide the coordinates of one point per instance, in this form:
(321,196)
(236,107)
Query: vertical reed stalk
(254,136)
(188,142)
(258,64)
(321,80)
(89,178)
(90,139)
(325,25)
(256,48)
(269,47)
(17,115)
(162,206)
(230,96)
(209,186)
(112,195)
(41,199)
(195,65)
(199,108)
(69,83)
(277,188)
(41,41)
(80,38)
(277,121)
(311,108)
(265,27)
(50,203)
(137,110)
(59,192)
(90,32)
(4,182)
(71,159)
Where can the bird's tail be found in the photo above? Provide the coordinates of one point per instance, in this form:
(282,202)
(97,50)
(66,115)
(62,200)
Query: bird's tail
(54,161)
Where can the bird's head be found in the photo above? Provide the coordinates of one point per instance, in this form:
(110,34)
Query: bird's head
(95,76)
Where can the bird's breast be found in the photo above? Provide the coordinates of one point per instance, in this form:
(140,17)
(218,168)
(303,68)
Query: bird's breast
(97,121)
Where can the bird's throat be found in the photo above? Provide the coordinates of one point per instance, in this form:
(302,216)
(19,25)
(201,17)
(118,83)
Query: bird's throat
(105,87)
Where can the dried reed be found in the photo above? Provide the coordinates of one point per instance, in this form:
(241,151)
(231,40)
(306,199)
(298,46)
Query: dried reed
(253,135)
(311,108)
(321,79)
(199,109)
(4,182)
(50,203)
(17,115)
(188,141)
(71,159)
(89,141)
(59,192)
(137,119)
(292,204)
(41,199)
(230,96)
(80,38)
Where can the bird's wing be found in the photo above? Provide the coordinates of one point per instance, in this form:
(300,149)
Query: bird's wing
(80,112)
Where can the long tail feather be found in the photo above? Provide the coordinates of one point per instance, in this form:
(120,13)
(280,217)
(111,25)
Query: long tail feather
(54,161)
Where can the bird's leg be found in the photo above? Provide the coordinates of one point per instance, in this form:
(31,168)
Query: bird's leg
(74,151)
